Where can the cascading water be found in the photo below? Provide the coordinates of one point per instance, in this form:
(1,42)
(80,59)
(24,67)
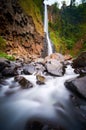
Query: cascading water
(48,103)
(50,51)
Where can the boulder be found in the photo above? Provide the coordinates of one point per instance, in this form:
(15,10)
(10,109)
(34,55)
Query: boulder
(29,69)
(55,68)
(40,79)
(67,57)
(24,83)
(56,56)
(77,86)
(4,63)
(80,63)
(39,68)
(9,71)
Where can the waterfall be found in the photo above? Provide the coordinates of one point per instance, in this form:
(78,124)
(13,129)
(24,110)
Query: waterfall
(50,51)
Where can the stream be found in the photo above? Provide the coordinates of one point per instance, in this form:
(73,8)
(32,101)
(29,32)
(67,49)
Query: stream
(49,103)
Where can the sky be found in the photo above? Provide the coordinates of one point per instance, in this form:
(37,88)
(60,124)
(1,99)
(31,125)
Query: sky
(50,2)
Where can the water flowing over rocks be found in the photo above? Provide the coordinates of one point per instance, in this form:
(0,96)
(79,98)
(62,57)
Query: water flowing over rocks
(36,97)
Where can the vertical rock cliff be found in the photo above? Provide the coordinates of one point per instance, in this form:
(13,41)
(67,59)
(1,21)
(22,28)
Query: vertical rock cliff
(19,29)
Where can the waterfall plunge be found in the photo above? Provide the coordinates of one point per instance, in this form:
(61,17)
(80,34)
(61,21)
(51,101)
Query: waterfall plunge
(50,51)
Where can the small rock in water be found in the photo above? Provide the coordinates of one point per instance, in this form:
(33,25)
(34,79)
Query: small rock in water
(23,82)
(40,79)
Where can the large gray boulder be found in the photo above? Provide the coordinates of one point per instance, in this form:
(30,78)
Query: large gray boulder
(55,68)
(77,86)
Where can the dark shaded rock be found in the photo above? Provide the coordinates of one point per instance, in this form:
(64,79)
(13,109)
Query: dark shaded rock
(80,63)
(77,86)
(4,63)
(24,83)
(40,79)
(9,71)
(29,69)
(81,70)
(37,125)
(55,68)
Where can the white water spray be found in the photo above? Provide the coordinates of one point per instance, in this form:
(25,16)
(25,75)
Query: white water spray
(50,51)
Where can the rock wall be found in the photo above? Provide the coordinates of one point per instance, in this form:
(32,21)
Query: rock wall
(19,30)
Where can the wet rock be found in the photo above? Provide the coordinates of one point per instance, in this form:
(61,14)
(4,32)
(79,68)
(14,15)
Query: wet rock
(80,63)
(67,57)
(9,71)
(55,68)
(56,56)
(39,60)
(77,86)
(29,69)
(37,125)
(39,68)
(24,83)
(81,70)
(40,79)
(4,63)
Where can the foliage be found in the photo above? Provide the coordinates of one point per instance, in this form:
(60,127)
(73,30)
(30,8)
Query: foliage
(4,55)
(32,8)
(69,24)
(2,43)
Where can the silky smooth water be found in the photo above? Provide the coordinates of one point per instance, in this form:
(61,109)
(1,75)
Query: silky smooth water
(50,103)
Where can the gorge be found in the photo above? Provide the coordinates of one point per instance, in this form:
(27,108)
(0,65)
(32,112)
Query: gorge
(35,92)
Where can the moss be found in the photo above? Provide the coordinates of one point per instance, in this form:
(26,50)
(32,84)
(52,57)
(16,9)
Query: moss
(33,10)
(2,43)
(4,55)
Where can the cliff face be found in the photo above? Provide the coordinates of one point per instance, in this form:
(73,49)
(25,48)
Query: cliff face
(19,30)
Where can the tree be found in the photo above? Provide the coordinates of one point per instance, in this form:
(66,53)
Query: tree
(72,3)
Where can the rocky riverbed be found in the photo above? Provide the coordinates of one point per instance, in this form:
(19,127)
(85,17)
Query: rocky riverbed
(45,94)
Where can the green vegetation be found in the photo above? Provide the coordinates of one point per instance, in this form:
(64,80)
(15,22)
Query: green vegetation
(33,8)
(4,55)
(2,43)
(68,27)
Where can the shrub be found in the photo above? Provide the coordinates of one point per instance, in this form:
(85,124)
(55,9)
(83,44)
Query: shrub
(2,43)
(4,55)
